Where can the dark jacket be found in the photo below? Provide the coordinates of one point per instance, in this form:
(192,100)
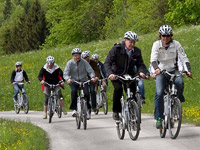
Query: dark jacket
(51,78)
(102,69)
(14,73)
(119,63)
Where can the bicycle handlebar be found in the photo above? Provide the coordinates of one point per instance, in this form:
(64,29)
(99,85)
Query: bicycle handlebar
(52,85)
(81,83)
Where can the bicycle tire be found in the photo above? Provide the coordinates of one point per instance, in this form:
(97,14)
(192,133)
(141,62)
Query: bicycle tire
(174,123)
(26,104)
(120,130)
(104,102)
(59,109)
(50,109)
(17,109)
(84,115)
(163,131)
(134,120)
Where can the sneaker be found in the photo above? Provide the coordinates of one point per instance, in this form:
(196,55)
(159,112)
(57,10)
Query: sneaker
(159,123)
(45,116)
(94,110)
(74,113)
(88,114)
(116,116)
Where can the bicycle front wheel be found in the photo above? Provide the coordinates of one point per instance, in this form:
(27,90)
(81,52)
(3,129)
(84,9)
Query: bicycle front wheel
(174,122)
(26,104)
(120,129)
(50,108)
(84,115)
(133,120)
(17,108)
(164,129)
(105,103)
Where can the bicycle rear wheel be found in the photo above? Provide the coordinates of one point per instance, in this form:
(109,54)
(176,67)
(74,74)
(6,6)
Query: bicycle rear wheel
(120,129)
(174,122)
(84,115)
(133,120)
(26,104)
(59,109)
(104,102)
(50,108)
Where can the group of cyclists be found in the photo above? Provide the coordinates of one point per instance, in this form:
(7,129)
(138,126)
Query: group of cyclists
(123,58)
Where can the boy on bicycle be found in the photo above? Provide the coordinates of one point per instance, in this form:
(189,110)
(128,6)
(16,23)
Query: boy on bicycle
(18,75)
(51,74)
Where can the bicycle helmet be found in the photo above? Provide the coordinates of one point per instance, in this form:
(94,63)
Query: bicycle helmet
(50,60)
(85,54)
(76,50)
(95,56)
(165,30)
(131,36)
(18,64)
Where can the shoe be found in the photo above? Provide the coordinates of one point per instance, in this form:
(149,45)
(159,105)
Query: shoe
(89,114)
(74,113)
(94,110)
(45,116)
(116,116)
(159,123)
(143,101)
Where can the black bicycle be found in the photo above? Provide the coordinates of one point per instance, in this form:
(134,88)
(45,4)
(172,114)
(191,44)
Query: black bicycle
(172,108)
(81,105)
(22,100)
(53,102)
(101,98)
(130,118)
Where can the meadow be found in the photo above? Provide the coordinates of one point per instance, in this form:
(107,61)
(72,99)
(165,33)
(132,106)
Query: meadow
(188,36)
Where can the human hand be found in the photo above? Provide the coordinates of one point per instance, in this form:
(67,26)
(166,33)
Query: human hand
(189,74)
(42,82)
(14,83)
(111,77)
(157,71)
(69,81)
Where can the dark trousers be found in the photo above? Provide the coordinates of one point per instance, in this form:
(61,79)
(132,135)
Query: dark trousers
(117,94)
(74,94)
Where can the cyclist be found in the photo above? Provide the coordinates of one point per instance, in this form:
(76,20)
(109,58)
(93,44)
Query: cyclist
(102,70)
(86,55)
(18,75)
(121,60)
(164,55)
(78,69)
(51,74)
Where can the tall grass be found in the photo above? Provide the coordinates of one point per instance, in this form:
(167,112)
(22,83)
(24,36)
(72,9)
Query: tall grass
(33,61)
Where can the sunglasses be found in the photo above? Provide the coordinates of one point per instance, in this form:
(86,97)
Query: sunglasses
(166,35)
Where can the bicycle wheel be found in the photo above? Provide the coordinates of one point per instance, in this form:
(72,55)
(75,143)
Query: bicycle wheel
(26,104)
(120,129)
(163,131)
(105,102)
(50,107)
(174,122)
(84,115)
(17,108)
(59,109)
(133,120)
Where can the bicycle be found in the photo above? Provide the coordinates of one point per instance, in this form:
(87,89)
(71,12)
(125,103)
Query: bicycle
(172,109)
(53,102)
(101,98)
(81,105)
(22,100)
(130,119)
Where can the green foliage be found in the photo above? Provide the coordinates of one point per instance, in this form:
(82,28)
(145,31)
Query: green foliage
(183,12)
(7,9)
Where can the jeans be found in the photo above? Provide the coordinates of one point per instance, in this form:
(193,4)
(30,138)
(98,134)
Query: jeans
(161,81)
(93,95)
(141,88)
(17,88)
(74,94)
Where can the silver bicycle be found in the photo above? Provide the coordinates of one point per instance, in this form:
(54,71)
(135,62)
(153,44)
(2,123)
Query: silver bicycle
(130,118)
(172,109)
(53,101)
(101,98)
(81,105)
(22,100)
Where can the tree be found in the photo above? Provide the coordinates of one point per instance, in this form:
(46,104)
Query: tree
(7,9)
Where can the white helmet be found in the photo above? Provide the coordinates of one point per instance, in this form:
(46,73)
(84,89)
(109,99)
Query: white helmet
(18,64)
(50,60)
(95,56)
(165,30)
(131,36)
(85,54)
(76,50)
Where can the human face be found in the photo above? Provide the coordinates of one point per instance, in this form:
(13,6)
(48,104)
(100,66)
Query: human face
(129,44)
(76,57)
(165,39)
(19,67)
(96,60)
(50,66)
(87,59)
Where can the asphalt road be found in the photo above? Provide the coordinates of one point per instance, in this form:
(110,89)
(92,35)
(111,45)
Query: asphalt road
(101,134)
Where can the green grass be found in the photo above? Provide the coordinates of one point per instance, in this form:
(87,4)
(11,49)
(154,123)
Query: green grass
(33,61)
(21,135)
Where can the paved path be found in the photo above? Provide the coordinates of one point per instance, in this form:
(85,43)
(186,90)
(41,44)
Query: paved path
(101,134)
